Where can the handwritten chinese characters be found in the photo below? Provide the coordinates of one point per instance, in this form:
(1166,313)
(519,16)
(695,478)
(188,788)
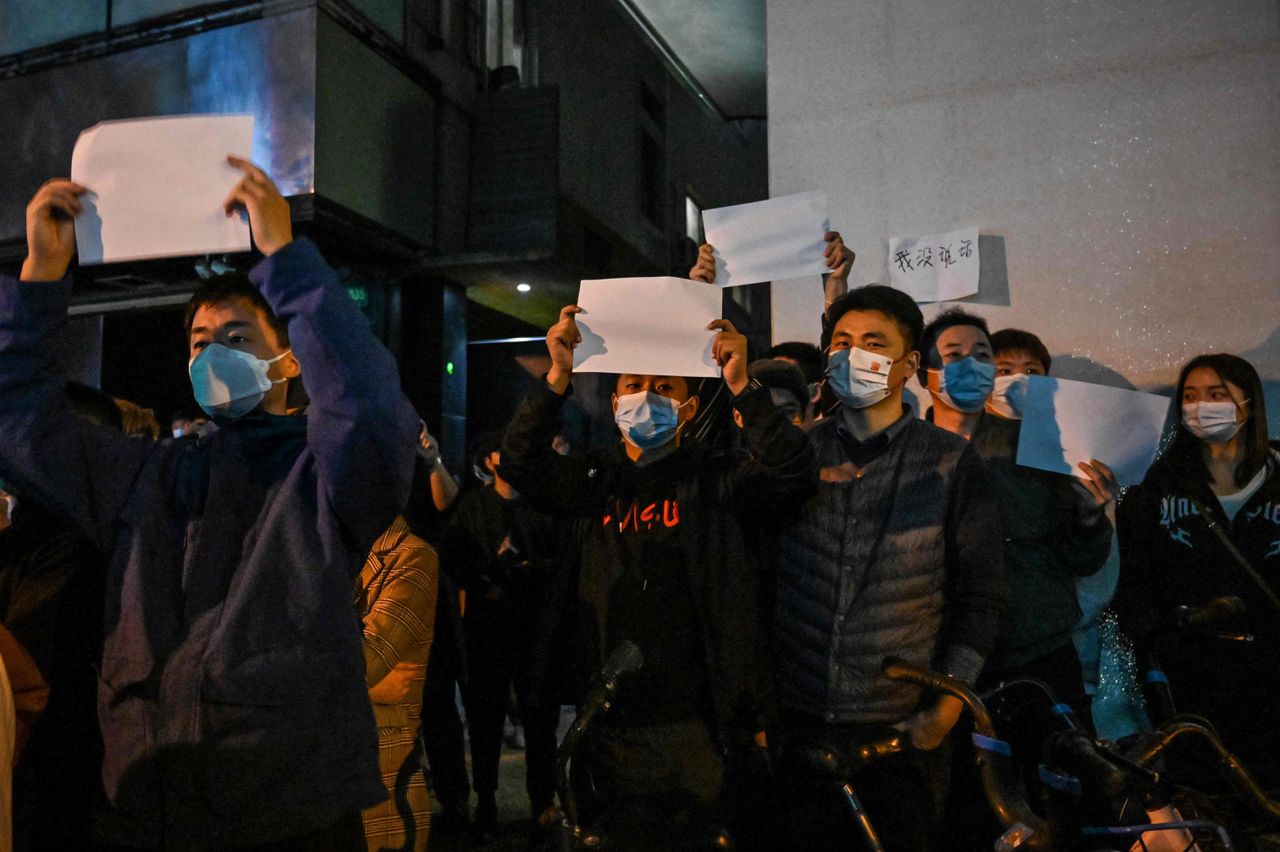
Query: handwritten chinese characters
(936,268)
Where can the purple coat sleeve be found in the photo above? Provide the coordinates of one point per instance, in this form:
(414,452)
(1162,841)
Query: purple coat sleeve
(360,427)
(78,469)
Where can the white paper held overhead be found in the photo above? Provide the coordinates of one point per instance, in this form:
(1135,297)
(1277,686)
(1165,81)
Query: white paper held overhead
(768,240)
(1066,422)
(647,326)
(156,187)
(937,267)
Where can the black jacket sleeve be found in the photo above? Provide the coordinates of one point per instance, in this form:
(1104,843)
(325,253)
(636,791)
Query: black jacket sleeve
(782,471)
(1082,547)
(977,590)
(1134,602)
(459,552)
(564,486)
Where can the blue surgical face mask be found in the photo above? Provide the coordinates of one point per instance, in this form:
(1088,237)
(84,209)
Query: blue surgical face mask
(230,382)
(858,378)
(965,384)
(648,420)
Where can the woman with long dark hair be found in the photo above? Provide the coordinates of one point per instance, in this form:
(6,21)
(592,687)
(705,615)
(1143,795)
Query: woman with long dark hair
(1217,471)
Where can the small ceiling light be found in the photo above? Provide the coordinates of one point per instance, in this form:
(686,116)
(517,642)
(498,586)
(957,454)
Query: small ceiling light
(523,288)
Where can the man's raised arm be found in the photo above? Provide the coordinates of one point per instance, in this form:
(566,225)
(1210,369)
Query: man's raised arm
(47,452)
(556,484)
(360,426)
(782,470)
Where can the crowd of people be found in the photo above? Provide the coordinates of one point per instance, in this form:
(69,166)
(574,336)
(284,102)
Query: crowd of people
(251,633)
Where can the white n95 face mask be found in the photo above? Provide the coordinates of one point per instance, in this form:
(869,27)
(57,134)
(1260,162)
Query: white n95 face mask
(229,382)
(1214,422)
(1008,395)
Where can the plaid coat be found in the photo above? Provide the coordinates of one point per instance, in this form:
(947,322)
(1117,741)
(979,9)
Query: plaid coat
(396,600)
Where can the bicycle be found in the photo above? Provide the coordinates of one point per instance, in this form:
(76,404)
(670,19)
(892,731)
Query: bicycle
(1088,777)
(572,834)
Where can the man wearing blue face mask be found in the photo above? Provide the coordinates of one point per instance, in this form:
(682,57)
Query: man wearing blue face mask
(957,370)
(1056,528)
(893,556)
(233,702)
(657,557)
(1055,531)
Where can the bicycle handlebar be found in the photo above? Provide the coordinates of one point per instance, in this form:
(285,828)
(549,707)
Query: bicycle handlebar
(825,759)
(1151,746)
(995,767)
(626,658)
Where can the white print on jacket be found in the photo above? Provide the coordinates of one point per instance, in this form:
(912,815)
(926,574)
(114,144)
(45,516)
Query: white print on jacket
(1173,509)
(1268,511)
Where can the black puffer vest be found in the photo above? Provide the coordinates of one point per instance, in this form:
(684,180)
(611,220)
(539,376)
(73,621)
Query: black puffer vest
(861,576)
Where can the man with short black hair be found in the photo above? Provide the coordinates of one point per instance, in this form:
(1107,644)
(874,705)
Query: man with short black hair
(233,701)
(956,369)
(1055,531)
(897,555)
(1055,528)
(1022,350)
(787,388)
(657,557)
(806,356)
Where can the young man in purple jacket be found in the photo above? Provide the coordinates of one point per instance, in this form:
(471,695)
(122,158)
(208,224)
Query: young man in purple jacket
(232,699)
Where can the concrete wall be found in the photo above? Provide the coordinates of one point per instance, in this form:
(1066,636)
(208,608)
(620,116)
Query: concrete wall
(1126,152)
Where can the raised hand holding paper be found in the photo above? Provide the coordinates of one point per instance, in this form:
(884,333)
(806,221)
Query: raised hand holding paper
(649,326)
(768,240)
(157,187)
(937,267)
(1066,422)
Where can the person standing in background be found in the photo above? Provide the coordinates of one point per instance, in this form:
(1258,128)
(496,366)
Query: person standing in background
(502,552)
(1055,527)
(396,599)
(1218,470)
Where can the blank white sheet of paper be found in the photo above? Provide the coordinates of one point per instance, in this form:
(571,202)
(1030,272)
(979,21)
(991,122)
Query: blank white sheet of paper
(936,268)
(156,187)
(647,326)
(1066,422)
(768,240)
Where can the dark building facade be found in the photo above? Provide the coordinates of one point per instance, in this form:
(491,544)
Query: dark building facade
(441,152)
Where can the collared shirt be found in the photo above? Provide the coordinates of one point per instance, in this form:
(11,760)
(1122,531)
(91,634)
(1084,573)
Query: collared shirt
(864,452)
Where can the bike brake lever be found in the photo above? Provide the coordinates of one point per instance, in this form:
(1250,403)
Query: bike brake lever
(1013,838)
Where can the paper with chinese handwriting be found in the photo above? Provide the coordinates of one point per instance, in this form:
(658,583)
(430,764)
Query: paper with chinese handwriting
(768,240)
(649,326)
(157,187)
(935,268)
(1066,422)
